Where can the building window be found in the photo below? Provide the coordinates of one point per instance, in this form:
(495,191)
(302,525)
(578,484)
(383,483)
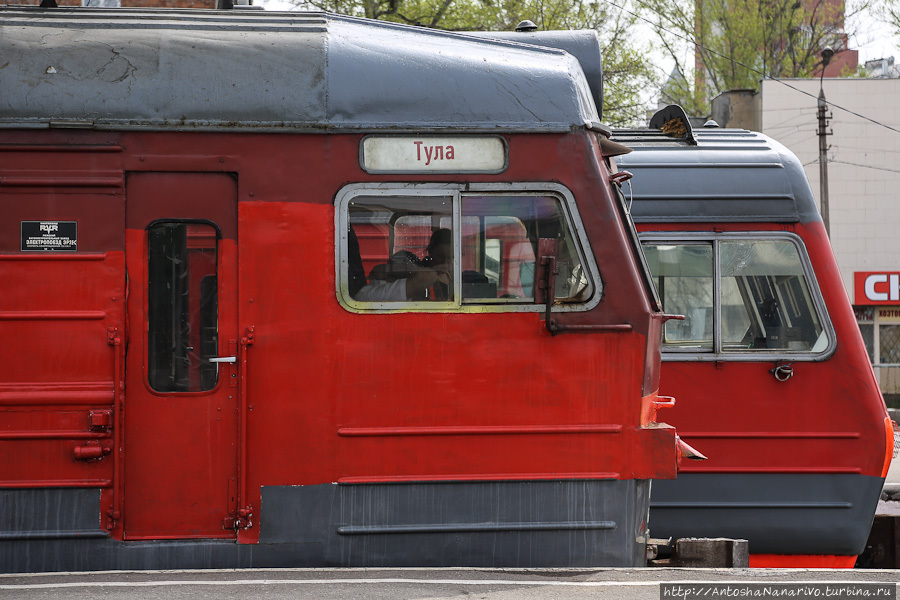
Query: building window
(880,329)
(889,344)
(737,294)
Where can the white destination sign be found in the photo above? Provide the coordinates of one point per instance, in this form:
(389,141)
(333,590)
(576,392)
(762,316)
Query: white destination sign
(428,154)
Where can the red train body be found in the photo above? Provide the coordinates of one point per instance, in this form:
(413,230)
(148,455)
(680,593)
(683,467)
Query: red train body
(772,376)
(190,378)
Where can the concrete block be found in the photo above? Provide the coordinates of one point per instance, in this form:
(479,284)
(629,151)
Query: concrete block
(712,552)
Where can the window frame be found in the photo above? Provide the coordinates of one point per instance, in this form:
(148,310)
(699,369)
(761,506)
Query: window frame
(456,192)
(148,384)
(717,354)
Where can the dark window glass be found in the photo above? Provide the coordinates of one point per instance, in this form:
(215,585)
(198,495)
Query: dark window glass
(182,307)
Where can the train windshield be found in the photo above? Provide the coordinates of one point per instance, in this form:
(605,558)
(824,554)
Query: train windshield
(737,295)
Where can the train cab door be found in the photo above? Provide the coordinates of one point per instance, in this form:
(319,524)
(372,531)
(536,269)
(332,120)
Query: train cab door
(181,383)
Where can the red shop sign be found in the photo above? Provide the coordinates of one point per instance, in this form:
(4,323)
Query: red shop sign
(876,287)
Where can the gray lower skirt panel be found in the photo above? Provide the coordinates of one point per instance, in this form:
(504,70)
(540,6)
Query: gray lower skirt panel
(482,524)
(778,513)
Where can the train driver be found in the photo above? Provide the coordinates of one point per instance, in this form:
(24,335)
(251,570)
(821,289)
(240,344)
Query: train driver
(405,279)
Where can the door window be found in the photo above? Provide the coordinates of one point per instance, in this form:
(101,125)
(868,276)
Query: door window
(182,307)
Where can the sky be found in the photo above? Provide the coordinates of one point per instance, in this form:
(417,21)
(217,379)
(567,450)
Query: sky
(877,43)
(274,4)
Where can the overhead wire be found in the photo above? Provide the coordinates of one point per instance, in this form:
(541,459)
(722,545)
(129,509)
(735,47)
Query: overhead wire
(852,164)
(844,162)
(858,150)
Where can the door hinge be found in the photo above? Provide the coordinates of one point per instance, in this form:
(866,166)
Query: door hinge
(245,518)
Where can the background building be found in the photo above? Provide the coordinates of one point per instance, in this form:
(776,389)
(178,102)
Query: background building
(863,189)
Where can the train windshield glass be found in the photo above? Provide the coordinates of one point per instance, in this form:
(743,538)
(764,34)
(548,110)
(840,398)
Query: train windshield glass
(414,249)
(683,275)
(758,288)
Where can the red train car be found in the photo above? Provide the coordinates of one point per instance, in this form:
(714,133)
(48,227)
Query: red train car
(194,373)
(773,378)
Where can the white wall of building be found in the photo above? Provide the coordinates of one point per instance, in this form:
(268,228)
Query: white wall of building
(863,162)
(863,182)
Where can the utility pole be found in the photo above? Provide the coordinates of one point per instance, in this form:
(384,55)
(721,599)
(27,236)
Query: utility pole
(827,53)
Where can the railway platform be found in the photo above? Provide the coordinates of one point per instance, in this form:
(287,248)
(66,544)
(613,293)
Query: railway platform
(488,584)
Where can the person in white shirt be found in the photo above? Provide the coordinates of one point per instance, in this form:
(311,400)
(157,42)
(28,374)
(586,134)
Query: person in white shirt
(402,279)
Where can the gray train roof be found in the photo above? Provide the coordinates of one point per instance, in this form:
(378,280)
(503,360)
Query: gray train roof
(730,175)
(583,44)
(202,69)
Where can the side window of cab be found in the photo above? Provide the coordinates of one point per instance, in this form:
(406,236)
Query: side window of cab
(739,295)
(429,251)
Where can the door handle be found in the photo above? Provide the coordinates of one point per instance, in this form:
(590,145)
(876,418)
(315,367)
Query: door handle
(224,359)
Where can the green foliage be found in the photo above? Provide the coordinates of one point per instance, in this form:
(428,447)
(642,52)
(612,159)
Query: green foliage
(740,42)
(889,10)
(857,73)
(628,71)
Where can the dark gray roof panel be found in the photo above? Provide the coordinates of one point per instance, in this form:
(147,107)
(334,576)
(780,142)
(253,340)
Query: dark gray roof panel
(731,175)
(172,69)
(582,44)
